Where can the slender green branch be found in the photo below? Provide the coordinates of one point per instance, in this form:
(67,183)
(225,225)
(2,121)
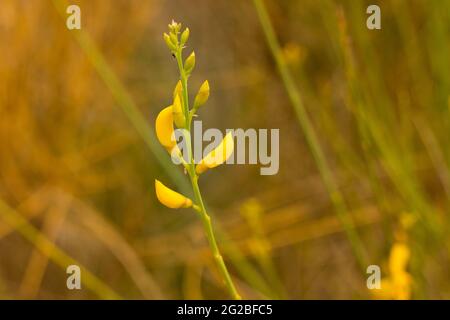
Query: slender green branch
(199,206)
(183,79)
(207,225)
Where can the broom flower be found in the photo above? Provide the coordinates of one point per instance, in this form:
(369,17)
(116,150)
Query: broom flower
(181,115)
(217,156)
(170,198)
(202,95)
(178,116)
(164,128)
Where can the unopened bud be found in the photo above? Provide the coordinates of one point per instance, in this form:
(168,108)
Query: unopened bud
(178,115)
(184,36)
(189,63)
(169,43)
(202,95)
(178,90)
(173,38)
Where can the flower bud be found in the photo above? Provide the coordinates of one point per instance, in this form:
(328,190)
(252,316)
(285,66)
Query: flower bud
(178,90)
(173,38)
(178,114)
(189,63)
(184,36)
(174,27)
(202,95)
(169,43)
(170,198)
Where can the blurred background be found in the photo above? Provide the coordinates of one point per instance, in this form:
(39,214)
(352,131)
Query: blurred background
(78,158)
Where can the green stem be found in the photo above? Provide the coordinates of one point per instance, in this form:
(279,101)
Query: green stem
(183,79)
(200,207)
(311,136)
(207,225)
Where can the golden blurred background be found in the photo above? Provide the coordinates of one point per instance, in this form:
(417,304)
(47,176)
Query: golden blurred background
(78,157)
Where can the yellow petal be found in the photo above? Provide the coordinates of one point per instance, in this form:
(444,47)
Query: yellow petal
(178,89)
(217,156)
(164,128)
(385,292)
(402,285)
(398,258)
(178,115)
(202,95)
(170,198)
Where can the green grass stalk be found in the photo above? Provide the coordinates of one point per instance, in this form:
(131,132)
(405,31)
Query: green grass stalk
(311,136)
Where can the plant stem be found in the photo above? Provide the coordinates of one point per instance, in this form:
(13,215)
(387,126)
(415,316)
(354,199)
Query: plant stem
(200,207)
(185,99)
(207,225)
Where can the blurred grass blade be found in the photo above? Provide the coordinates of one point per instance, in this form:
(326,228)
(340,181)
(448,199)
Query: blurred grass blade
(310,135)
(125,101)
(55,254)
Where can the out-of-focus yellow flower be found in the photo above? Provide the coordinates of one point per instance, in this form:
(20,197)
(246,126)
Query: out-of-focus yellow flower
(170,198)
(217,156)
(399,282)
(398,258)
(164,128)
(402,285)
(293,54)
(396,287)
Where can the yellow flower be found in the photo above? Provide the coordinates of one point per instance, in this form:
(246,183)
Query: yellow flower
(217,156)
(170,198)
(164,128)
(402,282)
(385,291)
(399,282)
(398,258)
(395,287)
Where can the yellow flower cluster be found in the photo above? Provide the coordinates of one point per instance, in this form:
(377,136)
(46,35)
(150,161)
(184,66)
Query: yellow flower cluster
(178,114)
(398,284)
